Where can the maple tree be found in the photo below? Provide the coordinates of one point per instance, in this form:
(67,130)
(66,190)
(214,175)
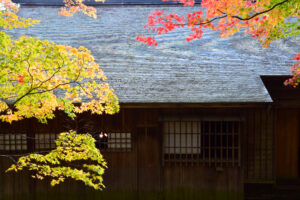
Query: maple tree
(38,77)
(74,157)
(265,20)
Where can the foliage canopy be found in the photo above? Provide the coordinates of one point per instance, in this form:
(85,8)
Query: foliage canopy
(37,77)
(75,156)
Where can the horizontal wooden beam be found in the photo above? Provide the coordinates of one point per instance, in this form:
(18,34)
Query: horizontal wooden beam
(193,105)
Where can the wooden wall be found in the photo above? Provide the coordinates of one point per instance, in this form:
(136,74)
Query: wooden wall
(141,173)
(287,129)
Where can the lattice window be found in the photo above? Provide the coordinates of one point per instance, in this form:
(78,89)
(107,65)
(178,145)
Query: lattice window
(45,141)
(13,142)
(113,141)
(202,141)
(182,137)
(119,141)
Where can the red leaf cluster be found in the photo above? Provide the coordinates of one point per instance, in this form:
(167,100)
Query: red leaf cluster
(228,17)
(295,69)
(20,79)
(148,40)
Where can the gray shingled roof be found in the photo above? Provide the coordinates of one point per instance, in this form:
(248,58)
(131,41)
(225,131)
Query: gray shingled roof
(93,2)
(207,70)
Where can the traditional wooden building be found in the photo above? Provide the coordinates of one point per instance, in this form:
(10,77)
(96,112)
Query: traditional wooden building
(210,119)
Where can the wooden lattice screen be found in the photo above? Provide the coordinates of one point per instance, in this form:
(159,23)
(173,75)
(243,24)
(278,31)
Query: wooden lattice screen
(45,141)
(116,142)
(13,142)
(119,142)
(113,141)
(212,143)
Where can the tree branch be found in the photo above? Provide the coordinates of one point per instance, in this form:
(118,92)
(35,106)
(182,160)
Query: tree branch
(59,68)
(10,157)
(260,13)
(244,19)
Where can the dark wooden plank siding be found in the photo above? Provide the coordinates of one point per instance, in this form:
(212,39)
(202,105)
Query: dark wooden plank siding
(141,172)
(148,163)
(200,182)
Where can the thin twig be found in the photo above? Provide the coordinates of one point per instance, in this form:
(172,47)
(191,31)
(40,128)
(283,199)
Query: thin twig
(244,19)
(260,13)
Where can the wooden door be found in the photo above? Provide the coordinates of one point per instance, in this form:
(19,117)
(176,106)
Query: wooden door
(287,144)
(148,163)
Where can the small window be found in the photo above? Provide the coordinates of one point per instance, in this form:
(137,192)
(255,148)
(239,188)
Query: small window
(13,142)
(113,141)
(119,141)
(202,141)
(182,137)
(45,141)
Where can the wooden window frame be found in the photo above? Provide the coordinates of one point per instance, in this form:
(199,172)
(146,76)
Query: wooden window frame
(117,141)
(44,143)
(13,142)
(219,143)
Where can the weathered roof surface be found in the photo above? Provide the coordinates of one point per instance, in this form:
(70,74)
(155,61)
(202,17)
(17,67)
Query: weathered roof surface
(208,70)
(93,2)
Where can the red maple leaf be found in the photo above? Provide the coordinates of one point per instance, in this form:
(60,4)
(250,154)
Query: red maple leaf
(21,79)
